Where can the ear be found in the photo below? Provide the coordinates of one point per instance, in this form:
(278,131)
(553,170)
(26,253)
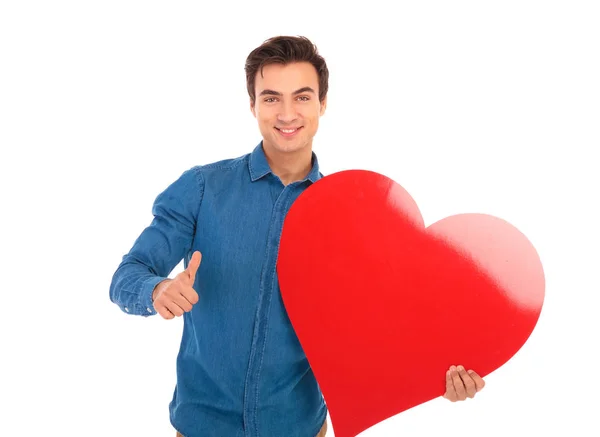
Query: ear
(252,108)
(324,105)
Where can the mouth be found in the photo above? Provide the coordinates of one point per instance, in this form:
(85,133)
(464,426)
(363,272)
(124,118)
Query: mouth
(288,132)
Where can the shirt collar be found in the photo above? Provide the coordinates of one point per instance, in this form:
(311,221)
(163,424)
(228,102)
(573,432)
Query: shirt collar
(259,167)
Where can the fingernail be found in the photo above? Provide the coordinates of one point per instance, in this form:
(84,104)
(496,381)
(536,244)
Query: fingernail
(452,368)
(461,368)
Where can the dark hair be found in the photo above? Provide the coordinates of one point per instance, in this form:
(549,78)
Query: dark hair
(285,50)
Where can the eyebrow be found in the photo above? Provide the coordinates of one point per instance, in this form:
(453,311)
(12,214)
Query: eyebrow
(305,89)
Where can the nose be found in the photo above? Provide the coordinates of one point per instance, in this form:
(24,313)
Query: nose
(287,113)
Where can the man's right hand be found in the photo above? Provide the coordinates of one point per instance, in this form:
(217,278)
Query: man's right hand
(173,297)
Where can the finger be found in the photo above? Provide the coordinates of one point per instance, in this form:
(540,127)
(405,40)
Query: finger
(459,387)
(479,382)
(163,311)
(468,382)
(180,297)
(190,295)
(192,267)
(450,392)
(174,308)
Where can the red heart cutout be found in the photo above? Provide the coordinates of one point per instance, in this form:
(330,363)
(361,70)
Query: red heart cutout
(383,306)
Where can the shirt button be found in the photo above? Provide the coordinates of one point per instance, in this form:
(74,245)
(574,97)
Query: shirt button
(126,309)
(149,310)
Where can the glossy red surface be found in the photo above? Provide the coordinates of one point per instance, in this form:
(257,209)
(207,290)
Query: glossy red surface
(383,306)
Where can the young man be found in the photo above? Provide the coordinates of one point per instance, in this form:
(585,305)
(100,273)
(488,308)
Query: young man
(241,371)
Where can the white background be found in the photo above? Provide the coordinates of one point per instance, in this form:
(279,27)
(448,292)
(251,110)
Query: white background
(473,106)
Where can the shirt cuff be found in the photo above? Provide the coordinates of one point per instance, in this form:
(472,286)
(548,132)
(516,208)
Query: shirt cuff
(146,294)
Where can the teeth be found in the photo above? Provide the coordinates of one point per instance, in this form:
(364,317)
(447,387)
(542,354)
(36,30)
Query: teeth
(288,131)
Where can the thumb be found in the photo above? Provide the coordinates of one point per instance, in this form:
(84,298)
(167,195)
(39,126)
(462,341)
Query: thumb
(193,265)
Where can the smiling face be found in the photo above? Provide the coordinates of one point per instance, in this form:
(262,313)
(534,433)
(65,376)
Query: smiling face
(287,106)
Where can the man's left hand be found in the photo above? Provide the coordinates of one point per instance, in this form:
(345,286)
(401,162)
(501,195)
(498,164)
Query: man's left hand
(462,384)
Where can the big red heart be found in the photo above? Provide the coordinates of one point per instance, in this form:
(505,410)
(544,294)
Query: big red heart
(383,306)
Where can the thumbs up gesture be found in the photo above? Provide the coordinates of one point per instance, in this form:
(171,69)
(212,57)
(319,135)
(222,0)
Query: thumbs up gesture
(173,297)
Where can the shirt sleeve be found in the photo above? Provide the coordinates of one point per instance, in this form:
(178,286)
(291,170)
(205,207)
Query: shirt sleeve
(161,246)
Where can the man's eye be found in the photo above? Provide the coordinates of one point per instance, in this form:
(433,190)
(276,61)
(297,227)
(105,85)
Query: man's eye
(272,99)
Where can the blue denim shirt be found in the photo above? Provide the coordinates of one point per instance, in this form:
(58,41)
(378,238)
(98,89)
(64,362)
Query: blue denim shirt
(241,371)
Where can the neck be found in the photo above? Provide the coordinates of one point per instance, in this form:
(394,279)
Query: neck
(290,167)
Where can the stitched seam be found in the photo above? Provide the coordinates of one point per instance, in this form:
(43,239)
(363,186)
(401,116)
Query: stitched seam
(201,184)
(221,166)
